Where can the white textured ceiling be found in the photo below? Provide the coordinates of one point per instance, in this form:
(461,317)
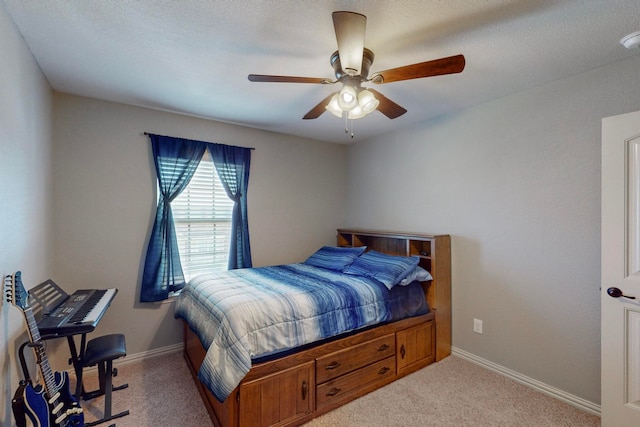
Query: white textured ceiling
(193,57)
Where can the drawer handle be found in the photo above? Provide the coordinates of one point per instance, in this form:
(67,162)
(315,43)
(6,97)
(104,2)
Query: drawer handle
(332,366)
(384,370)
(383,347)
(403,351)
(304,390)
(333,391)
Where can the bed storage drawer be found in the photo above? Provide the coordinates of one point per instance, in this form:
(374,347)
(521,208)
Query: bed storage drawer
(344,361)
(355,383)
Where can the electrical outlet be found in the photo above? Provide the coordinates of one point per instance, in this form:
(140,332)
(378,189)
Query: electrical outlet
(477,326)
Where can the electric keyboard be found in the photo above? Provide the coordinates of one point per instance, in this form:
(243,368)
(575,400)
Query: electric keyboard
(62,314)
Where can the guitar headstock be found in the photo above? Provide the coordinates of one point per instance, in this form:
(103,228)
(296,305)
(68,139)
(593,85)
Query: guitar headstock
(15,292)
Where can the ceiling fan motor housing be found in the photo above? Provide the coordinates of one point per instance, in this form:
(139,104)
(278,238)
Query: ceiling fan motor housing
(367,60)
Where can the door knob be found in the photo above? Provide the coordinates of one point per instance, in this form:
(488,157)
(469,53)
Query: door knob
(617,293)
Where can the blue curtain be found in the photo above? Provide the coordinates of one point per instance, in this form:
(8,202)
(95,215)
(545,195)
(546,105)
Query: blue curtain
(176,161)
(232,164)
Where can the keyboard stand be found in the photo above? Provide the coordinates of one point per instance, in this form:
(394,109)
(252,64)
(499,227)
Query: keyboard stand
(77,356)
(76,361)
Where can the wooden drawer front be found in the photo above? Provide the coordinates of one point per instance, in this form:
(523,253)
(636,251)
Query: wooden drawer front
(341,388)
(341,362)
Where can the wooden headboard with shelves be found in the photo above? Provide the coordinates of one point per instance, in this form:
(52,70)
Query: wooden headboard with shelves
(434,251)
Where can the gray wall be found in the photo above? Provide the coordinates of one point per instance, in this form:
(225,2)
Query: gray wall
(25,190)
(516,182)
(105,197)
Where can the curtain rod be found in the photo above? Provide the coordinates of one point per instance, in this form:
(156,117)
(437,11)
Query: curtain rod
(148,133)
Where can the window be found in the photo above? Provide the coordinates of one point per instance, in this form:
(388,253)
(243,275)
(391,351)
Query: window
(202,216)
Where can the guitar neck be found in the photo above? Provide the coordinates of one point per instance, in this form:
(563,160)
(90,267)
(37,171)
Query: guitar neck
(42,360)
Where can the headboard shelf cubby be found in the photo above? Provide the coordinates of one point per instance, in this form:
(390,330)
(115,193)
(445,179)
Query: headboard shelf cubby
(434,251)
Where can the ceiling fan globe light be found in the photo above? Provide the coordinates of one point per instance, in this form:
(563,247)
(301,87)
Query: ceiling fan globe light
(367,101)
(333,106)
(348,98)
(356,113)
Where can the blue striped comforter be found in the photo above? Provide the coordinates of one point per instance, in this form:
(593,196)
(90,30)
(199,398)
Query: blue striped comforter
(243,314)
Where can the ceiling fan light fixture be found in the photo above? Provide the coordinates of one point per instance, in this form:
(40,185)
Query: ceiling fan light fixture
(356,103)
(367,102)
(333,106)
(348,98)
(631,41)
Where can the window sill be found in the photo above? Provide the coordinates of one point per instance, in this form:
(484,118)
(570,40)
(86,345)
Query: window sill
(173,296)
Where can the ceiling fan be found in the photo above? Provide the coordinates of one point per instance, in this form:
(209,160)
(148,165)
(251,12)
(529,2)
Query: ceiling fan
(351,63)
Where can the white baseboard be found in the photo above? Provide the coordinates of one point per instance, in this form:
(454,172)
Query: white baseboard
(571,399)
(174,348)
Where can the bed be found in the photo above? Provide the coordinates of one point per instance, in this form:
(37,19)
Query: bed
(281,345)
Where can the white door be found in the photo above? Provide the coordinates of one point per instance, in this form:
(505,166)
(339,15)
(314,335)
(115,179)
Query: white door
(620,329)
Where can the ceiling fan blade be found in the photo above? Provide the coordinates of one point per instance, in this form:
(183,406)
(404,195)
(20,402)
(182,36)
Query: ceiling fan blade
(287,79)
(350,28)
(437,67)
(387,106)
(317,111)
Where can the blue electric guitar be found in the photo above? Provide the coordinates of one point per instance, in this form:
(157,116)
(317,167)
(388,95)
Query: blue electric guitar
(53,404)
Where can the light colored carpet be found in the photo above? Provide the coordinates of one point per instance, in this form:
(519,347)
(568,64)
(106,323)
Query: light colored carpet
(453,392)
(161,393)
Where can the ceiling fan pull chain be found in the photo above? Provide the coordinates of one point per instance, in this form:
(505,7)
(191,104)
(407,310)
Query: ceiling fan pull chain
(348,125)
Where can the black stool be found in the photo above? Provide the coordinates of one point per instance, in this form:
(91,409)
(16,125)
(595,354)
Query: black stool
(103,351)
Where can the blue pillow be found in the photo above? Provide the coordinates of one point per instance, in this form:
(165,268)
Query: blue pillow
(388,269)
(334,258)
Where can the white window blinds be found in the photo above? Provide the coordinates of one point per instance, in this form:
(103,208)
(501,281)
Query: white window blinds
(202,216)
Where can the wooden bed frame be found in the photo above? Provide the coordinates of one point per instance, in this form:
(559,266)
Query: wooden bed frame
(298,387)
